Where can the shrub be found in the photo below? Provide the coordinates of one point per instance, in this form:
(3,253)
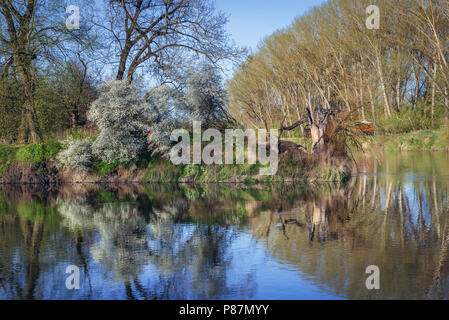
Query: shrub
(77,154)
(37,153)
(160,101)
(122,116)
(411,119)
(103,168)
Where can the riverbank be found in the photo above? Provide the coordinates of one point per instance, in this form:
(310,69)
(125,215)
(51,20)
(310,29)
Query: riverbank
(36,164)
(423,140)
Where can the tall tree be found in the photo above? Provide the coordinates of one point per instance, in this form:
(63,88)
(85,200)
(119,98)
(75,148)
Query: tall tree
(19,40)
(163,34)
(33,35)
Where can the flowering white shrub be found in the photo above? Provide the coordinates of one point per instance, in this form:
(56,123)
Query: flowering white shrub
(163,102)
(77,154)
(122,116)
(205,97)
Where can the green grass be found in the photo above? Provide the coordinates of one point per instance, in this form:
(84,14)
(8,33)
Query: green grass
(165,171)
(32,153)
(103,168)
(159,170)
(38,153)
(423,140)
(162,171)
(412,119)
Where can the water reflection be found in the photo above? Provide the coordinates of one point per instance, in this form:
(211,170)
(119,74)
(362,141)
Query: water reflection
(212,242)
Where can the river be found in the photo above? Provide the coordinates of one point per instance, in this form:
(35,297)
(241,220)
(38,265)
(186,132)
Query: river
(233,242)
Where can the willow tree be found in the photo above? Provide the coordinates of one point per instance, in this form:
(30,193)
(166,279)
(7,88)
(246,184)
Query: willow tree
(328,65)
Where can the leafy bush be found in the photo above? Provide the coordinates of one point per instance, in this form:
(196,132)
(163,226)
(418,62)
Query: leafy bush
(37,153)
(103,168)
(77,154)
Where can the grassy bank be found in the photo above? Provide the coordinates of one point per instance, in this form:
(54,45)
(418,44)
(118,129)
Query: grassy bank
(37,156)
(289,171)
(423,140)
(34,154)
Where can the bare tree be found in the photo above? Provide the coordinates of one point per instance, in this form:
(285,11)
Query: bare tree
(161,34)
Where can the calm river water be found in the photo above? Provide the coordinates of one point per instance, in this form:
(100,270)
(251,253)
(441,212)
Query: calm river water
(233,242)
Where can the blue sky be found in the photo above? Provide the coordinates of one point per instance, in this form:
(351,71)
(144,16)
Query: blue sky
(250,21)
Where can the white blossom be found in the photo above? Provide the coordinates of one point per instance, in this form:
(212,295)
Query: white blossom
(76,155)
(122,115)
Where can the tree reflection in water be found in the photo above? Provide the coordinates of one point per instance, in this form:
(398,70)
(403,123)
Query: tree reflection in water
(184,242)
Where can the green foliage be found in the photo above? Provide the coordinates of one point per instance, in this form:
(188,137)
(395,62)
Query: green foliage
(80,133)
(37,153)
(230,171)
(446,135)
(52,114)
(291,168)
(53,110)
(11,100)
(411,119)
(249,169)
(103,168)
(415,141)
(7,156)
(192,172)
(162,171)
(225,172)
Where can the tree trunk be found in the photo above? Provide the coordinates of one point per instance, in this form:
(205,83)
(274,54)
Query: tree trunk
(29,129)
(416,95)
(373,109)
(433,94)
(398,95)
(383,87)
(317,138)
(123,59)
(75,117)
